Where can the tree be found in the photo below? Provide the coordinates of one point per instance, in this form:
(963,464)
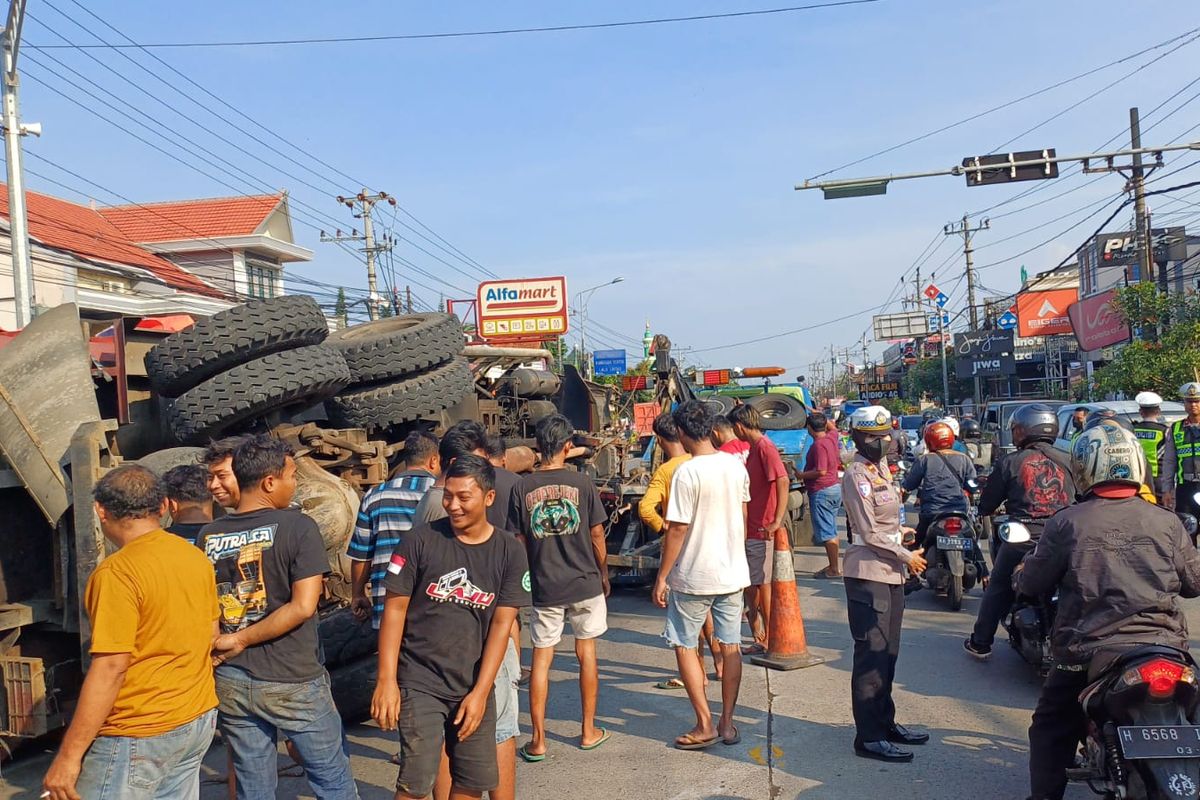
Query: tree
(339,310)
(1167,355)
(924,379)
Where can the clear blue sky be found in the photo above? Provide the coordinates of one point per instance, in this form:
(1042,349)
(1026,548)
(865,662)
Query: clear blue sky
(665,154)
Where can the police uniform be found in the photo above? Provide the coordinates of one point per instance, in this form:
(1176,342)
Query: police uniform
(875,568)
(1152,435)
(1183,452)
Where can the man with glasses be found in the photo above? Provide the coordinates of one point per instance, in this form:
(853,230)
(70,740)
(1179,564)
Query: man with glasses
(1182,452)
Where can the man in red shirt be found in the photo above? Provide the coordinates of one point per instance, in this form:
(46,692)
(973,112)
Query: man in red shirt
(769,485)
(820,478)
(725,440)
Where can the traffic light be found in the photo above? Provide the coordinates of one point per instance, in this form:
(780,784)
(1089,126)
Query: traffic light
(999,168)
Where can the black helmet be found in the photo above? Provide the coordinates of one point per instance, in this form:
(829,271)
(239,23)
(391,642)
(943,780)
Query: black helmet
(1034,422)
(969,429)
(1106,416)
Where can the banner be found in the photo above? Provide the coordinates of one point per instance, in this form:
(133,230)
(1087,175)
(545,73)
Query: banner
(1045,313)
(525,308)
(1096,323)
(889,390)
(982,343)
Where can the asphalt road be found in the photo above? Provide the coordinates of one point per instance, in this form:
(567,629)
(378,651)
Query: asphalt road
(796,727)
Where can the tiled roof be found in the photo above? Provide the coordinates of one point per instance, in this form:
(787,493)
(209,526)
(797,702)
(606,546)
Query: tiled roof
(78,229)
(192,219)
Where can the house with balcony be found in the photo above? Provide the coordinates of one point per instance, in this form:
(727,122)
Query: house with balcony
(182,257)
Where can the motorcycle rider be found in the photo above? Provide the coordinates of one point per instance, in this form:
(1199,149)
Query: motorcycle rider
(1032,484)
(939,478)
(1120,564)
(1151,432)
(1106,416)
(1182,456)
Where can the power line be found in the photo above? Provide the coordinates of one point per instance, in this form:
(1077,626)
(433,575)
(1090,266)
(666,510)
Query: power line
(496,32)
(1007,104)
(445,245)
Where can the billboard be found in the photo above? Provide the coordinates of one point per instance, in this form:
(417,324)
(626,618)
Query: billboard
(887,327)
(1045,313)
(523,308)
(1096,322)
(608,362)
(988,365)
(888,390)
(982,343)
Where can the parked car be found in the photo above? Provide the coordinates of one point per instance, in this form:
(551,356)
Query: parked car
(1128,409)
(997,416)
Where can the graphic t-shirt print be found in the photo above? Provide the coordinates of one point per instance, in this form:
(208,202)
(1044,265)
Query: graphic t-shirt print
(553,511)
(456,587)
(238,560)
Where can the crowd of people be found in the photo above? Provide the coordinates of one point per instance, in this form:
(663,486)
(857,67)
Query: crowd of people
(211,623)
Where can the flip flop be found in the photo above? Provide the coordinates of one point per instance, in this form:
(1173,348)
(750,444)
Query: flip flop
(673,683)
(604,737)
(755,649)
(689,742)
(737,737)
(823,574)
(532,758)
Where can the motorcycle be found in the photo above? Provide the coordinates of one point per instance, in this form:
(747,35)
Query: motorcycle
(1189,521)
(1030,619)
(951,561)
(1142,742)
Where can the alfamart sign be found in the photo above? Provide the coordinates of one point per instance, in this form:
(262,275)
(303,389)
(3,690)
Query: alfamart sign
(525,308)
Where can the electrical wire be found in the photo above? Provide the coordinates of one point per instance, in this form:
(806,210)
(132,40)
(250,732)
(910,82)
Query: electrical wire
(394,37)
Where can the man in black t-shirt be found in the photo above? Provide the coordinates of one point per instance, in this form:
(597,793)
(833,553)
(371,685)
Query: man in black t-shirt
(453,590)
(559,513)
(188,499)
(270,563)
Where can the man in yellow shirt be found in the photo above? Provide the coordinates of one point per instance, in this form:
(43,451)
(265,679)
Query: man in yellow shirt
(149,689)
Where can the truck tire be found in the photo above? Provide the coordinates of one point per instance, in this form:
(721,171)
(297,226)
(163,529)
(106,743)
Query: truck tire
(277,382)
(397,346)
(412,398)
(779,412)
(352,686)
(160,461)
(719,404)
(232,337)
(345,639)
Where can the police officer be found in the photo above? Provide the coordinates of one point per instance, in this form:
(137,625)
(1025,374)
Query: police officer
(1032,484)
(1151,433)
(874,569)
(1183,451)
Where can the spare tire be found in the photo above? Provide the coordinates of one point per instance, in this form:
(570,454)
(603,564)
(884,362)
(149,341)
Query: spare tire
(231,337)
(289,380)
(160,461)
(412,398)
(779,412)
(344,638)
(719,403)
(396,346)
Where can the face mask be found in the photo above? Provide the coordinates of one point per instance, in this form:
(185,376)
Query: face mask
(873,448)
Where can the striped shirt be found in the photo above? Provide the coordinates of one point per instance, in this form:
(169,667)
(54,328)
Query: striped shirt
(386,513)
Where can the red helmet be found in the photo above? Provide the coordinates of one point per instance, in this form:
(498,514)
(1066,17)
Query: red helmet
(939,436)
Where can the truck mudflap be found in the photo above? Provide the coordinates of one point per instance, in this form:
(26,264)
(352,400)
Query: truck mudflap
(46,393)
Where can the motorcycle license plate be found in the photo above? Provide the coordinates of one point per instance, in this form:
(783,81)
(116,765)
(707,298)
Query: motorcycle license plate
(1159,741)
(953,543)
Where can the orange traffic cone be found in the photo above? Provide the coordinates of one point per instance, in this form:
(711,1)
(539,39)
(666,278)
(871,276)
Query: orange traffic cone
(787,647)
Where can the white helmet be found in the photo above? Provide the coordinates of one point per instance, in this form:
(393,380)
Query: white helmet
(952,422)
(1148,400)
(871,419)
(1107,454)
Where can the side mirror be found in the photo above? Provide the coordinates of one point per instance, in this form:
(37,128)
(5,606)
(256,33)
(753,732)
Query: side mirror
(1014,533)
(1189,523)
(1196,498)
(972,484)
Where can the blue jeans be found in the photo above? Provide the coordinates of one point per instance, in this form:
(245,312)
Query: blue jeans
(252,713)
(166,765)
(824,505)
(686,613)
(508,723)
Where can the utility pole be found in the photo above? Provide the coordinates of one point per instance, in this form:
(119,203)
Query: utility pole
(18,217)
(408,299)
(361,206)
(964,229)
(1138,181)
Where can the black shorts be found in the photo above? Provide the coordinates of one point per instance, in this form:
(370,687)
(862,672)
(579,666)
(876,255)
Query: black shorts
(425,723)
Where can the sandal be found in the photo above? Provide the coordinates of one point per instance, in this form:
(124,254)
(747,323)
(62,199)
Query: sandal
(673,683)
(755,649)
(689,742)
(735,739)
(824,574)
(529,757)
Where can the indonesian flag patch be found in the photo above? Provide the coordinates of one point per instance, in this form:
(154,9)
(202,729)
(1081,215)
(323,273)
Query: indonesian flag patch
(396,564)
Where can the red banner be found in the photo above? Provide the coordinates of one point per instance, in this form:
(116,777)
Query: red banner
(1045,313)
(1096,322)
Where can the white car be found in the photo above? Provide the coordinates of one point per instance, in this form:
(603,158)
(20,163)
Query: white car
(1128,409)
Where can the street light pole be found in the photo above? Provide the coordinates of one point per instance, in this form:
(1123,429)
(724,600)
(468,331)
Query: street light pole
(581,304)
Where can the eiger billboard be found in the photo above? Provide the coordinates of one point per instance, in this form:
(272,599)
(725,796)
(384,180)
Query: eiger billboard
(1044,313)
